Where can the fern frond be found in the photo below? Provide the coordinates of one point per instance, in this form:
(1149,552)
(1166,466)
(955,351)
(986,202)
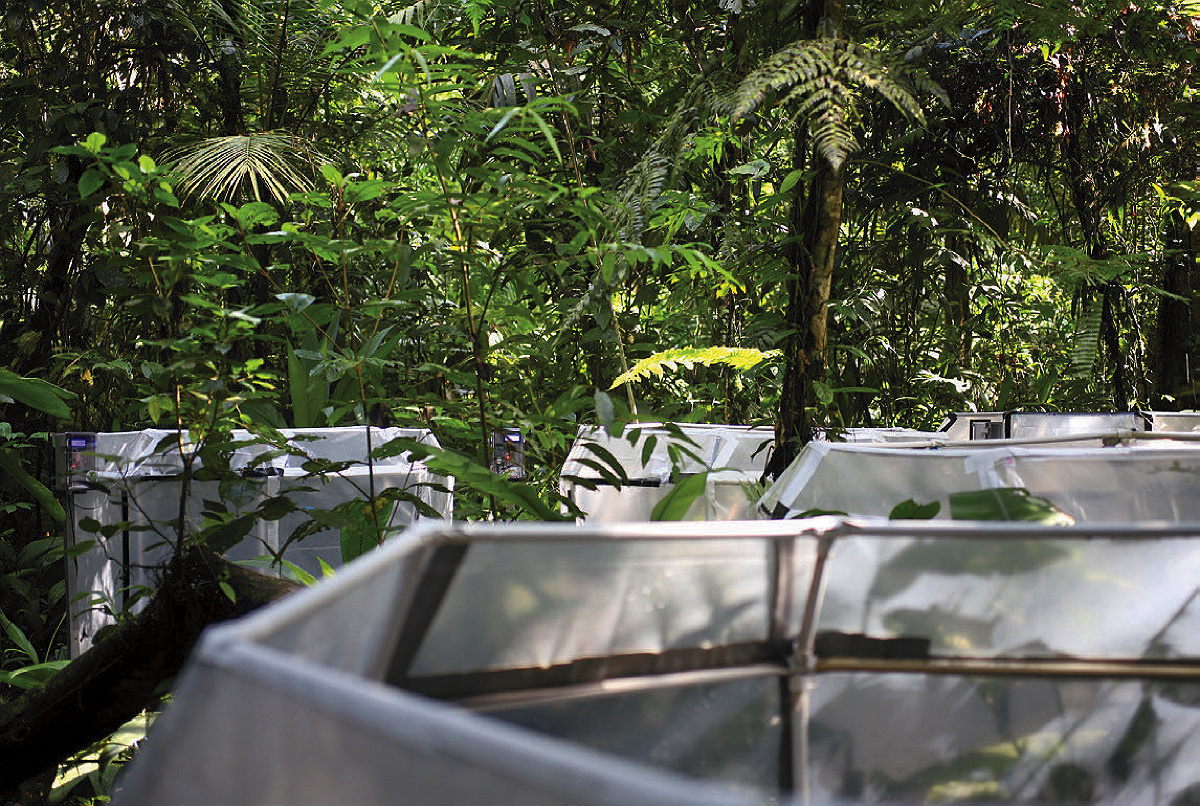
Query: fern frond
(1076,268)
(819,76)
(923,84)
(864,67)
(739,358)
(1085,342)
(827,110)
(798,65)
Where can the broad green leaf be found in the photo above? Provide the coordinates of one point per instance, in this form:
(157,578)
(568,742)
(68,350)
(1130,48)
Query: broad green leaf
(91,181)
(680,499)
(298,574)
(910,510)
(32,676)
(1006,504)
(648,449)
(790,181)
(11,464)
(36,393)
(332,175)
(18,638)
(302,415)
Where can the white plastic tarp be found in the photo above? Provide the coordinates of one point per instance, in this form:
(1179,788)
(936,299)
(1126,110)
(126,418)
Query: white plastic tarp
(882,436)
(134,480)
(819,661)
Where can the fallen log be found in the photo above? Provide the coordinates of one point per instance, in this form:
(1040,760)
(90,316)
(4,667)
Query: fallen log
(123,674)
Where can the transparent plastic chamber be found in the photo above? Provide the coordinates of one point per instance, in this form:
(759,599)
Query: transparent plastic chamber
(131,484)
(622,478)
(807,661)
(1118,477)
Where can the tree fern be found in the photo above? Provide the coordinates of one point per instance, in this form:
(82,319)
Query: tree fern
(819,77)
(739,358)
(642,187)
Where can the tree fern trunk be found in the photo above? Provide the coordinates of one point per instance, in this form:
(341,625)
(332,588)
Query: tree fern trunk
(816,220)
(825,220)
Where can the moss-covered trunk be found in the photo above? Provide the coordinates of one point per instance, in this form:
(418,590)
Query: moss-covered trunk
(123,674)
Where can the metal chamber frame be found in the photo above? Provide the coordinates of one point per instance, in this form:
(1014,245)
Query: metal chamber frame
(327,650)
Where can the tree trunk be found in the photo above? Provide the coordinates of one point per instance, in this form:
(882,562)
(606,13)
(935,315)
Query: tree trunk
(816,221)
(956,350)
(122,675)
(1175,342)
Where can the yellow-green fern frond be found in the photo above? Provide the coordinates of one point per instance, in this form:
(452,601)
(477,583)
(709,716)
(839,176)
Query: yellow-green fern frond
(739,358)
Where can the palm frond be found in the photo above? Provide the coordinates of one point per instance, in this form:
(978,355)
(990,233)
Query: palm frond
(267,164)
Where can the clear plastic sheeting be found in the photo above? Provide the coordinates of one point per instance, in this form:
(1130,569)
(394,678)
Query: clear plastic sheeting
(290,733)
(1037,597)
(979,425)
(1113,484)
(726,730)
(555,602)
(131,482)
(882,436)
(1142,478)
(819,661)
(1178,421)
(643,458)
(1035,425)
(1002,739)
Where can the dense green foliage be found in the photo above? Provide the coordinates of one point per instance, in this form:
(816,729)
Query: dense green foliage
(473,214)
